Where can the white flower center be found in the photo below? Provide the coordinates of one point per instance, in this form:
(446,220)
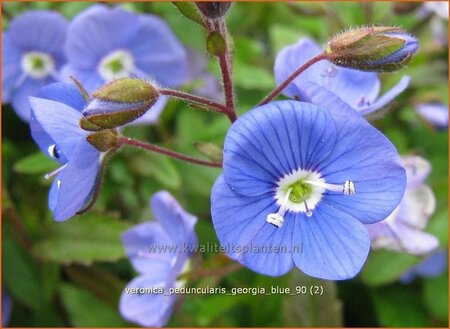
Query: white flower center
(116,64)
(301,191)
(37,65)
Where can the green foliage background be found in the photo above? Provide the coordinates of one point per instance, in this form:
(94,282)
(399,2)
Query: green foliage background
(72,273)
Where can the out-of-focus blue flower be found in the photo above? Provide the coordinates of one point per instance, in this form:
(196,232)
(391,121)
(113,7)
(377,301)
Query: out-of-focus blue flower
(403,229)
(432,265)
(434,113)
(54,123)
(6,308)
(107,43)
(358,89)
(298,184)
(32,54)
(159,251)
(439,20)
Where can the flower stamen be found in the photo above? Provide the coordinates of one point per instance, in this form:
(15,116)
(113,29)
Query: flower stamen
(54,172)
(347,188)
(277,219)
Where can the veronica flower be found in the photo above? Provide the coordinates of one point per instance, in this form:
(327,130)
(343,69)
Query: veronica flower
(431,266)
(403,229)
(107,43)
(159,251)
(54,123)
(434,113)
(360,90)
(6,308)
(439,21)
(32,53)
(298,184)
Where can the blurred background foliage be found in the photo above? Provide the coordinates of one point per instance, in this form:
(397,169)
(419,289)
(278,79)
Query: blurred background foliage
(72,273)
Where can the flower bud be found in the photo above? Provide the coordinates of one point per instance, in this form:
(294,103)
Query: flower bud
(372,48)
(117,103)
(214,9)
(103,140)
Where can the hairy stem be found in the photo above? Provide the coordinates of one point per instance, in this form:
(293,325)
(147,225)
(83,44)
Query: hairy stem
(194,99)
(290,78)
(157,149)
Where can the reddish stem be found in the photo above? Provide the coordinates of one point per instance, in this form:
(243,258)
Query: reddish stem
(157,149)
(290,78)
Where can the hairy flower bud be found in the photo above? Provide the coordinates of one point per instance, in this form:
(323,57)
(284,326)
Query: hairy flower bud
(103,140)
(117,103)
(372,48)
(214,9)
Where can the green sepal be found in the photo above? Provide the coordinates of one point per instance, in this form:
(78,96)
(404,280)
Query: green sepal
(216,44)
(127,90)
(104,140)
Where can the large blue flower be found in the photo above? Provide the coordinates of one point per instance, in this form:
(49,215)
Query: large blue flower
(298,184)
(54,123)
(159,251)
(358,89)
(106,43)
(32,54)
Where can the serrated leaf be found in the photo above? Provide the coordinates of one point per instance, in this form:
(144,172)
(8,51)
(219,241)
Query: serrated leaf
(20,275)
(385,266)
(189,10)
(211,150)
(306,310)
(216,44)
(36,163)
(85,310)
(83,240)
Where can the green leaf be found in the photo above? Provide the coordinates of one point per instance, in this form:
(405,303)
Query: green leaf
(399,306)
(211,150)
(189,10)
(83,240)
(310,310)
(439,227)
(436,296)
(36,163)
(159,167)
(84,310)
(20,275)
(216,44)
(384,266)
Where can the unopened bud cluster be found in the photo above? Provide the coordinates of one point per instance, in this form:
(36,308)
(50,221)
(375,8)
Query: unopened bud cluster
(113,105)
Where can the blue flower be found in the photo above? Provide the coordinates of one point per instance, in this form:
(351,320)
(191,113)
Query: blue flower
(107,43)
(159,251)
(431,266)
(358,89)
(32,54)
(6,308)
(403,229)
(54,123)
(298,184)
(434,113)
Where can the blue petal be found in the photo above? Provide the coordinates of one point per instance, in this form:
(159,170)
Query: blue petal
(6,308)
(157,52)
(77,181)
(335,245)
(39,30)
(365,156)
(19,98)
(43,140)
(96,32)
(89,78)
(53,193)
(241,227)
(177,223)
(434,113)
(352,86)
(63,92)
(148,310)
(433,265)
(388,97)
(273,140)
(11,69)
(141,244)
(60,122)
